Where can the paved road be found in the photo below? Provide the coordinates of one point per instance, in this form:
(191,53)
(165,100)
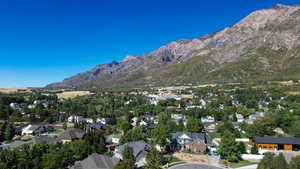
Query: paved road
(193,166)
(214,160)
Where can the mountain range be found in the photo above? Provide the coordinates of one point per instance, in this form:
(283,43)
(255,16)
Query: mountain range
(264,46)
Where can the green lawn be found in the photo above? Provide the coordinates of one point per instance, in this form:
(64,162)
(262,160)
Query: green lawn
(241,164)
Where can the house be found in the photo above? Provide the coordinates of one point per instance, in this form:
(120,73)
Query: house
(207,119)
(15,106)
(71,134)
(140,150)
(135,121)
(266,144)
(143,123)
(31,130)
(114,139)
(196,146)
(177,117)
(89,120)
(240,118)
(75,119)
(96,161)
(35,140)
(96,126)
(253,117)
(102,120)
(210,126)
(188,141)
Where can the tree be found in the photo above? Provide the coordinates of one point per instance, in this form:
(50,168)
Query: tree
(280,162)
(128,161)
(153,160)
(125,164)
(229,148)
(194,125)
(267,162)
(134,134)
(128,153)
(254,149)
(295,128)
(9,131)
(295,163)
(242,147)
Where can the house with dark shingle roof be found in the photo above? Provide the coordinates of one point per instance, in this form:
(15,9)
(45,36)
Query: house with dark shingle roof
(96,161)
(140,150)
(71,134)
(276,143)
(36,140)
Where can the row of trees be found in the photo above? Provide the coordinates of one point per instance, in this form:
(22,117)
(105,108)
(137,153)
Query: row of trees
(270,161)
(58,156)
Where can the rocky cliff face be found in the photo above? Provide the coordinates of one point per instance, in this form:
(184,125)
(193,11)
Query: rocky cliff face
(258,38)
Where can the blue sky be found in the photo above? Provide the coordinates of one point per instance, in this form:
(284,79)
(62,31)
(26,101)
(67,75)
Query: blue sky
(45,41)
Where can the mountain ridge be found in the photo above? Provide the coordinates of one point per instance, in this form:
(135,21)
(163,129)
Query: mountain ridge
(198,60)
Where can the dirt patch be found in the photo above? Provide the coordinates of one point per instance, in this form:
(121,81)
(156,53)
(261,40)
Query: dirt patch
(192,158)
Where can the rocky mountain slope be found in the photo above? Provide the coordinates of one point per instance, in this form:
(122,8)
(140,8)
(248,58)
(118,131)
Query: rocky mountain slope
(263,46)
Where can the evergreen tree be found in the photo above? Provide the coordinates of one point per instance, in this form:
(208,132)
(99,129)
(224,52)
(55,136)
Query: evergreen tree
(295,163)
(128,161)
(280,162)
(153,160)
(9,132)
(194,125)
(254,149)
(125,164)
(267,162)
(128,153)
(242,148)
(229,148)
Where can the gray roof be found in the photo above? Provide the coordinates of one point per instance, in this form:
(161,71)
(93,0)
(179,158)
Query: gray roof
(277,140)
(137,146)
(71,134)
(36,140)
(96,161)
(193,136)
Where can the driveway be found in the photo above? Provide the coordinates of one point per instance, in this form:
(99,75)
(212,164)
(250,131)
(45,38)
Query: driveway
(193,166)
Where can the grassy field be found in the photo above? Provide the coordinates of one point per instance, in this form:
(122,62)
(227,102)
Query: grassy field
(12,90)
(72,94)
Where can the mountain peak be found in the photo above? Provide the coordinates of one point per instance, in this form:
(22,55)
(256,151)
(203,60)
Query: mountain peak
(248,50)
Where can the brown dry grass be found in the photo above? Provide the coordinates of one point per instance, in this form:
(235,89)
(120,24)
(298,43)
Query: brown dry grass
(11,90)
(192,158)
(72,94)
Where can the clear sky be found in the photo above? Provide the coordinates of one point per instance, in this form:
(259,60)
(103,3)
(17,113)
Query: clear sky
(44,41)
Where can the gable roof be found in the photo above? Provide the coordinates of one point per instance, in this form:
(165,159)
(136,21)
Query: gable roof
(96,161)
(277,140)
(71,134)
(137,146)
(193,136)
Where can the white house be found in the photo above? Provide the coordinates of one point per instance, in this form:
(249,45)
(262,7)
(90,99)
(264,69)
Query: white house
(177,116)
(101,120)
(116,139)
(89,120)
(207,119)
(143,123)
(74,118)
(240,118)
